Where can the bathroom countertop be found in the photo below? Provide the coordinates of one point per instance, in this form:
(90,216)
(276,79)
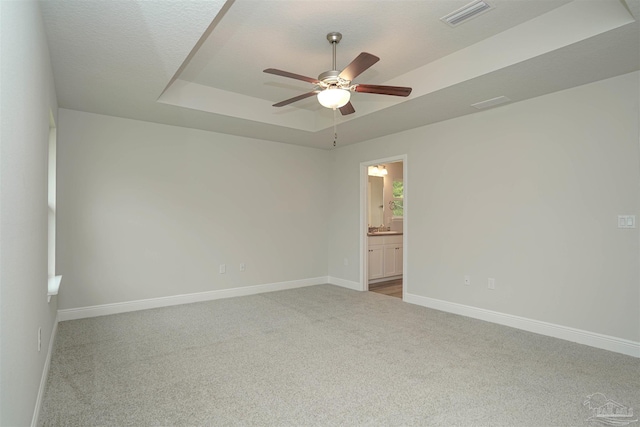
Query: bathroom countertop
(386,233)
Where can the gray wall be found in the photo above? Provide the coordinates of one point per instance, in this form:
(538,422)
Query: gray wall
(26,84)
(527,193)
(148,210)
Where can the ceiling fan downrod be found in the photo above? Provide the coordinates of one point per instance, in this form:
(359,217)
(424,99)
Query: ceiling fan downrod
(334,38)
(330,78)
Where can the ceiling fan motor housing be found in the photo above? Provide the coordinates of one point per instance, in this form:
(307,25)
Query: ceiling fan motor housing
(331,78)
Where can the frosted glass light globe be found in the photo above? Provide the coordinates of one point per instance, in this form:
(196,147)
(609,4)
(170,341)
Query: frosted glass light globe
(334,97)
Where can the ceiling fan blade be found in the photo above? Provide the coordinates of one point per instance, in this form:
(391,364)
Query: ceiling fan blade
(384,90)
(358,66)
(291,75)
(347,109)
(295,98)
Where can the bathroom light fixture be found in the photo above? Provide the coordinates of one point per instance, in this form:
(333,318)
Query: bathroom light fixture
(377,170)
(334,97)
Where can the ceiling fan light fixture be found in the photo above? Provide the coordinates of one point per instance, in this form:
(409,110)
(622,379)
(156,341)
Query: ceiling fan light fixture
(334,97)
(334,87)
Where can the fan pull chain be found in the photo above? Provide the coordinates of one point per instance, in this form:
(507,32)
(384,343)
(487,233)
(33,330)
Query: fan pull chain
(335,129)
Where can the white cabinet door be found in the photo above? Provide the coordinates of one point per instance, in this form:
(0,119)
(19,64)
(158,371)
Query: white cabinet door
(399,257)
(392,260)
(376,264)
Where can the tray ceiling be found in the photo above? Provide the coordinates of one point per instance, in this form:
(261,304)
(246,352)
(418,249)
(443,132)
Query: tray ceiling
(199,63)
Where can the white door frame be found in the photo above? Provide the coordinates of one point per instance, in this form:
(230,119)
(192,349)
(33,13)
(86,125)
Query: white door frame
(364,202)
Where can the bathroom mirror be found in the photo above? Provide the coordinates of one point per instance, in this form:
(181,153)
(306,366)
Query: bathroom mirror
(376,205)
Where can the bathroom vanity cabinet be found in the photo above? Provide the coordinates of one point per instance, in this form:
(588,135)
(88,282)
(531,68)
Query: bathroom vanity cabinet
(384,257)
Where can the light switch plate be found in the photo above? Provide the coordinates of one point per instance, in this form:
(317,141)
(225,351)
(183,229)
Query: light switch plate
(626,221)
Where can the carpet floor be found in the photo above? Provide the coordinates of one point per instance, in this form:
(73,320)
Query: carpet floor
(322,356)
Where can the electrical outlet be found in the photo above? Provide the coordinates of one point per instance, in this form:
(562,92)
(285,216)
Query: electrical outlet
(223,268)
(243,266)
(491,283)
(39,339)
(467,280)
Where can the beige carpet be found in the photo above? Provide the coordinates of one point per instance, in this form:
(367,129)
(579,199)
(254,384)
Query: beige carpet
(322,355)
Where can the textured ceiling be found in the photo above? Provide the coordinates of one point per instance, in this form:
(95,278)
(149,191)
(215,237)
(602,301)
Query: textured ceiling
(199,63)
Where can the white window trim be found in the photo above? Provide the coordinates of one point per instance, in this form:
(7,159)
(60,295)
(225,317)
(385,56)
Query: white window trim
(53,283)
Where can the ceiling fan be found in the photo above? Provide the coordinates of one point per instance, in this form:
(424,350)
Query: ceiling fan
(334,87)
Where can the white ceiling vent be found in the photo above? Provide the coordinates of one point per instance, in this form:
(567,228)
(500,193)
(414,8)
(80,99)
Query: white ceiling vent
(491,102)
(469,11)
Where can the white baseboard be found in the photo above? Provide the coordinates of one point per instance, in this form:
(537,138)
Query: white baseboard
(45,375)
(123,307)
(345,283)
(605,342)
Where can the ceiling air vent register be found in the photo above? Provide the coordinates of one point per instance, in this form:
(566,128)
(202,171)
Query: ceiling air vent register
(491,102)
(467,12)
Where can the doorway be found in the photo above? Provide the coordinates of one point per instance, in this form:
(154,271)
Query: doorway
(384,226)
